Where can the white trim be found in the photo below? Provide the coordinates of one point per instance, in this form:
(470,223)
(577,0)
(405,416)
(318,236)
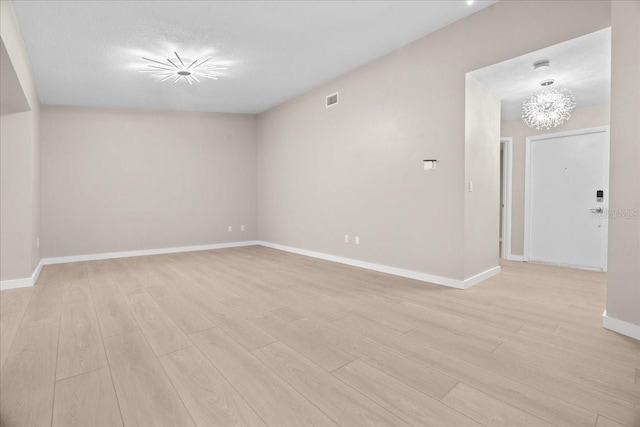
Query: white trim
(527,197)
(620,326)
(527,185)
(507,192)
(22,283)
(16,283)
(30,281)
(127,254)
(558,264)
(481,277)
(423,277)
(513,257)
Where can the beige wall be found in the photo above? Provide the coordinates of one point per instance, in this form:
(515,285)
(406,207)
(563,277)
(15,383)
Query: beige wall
(121,180)
(482,167)
(623,290)
(356,168)
(16,210)
(580,119)
(19,141)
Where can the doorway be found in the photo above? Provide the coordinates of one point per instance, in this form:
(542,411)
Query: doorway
(506,175)
(566,198)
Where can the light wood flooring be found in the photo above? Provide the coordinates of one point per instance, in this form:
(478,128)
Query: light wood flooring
(258,337)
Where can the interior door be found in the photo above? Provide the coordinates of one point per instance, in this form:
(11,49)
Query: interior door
(567,198)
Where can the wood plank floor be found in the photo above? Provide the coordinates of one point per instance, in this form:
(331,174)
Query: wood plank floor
(254,336)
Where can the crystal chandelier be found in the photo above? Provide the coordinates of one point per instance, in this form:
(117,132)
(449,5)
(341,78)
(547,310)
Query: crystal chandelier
(179,68)
(549,107)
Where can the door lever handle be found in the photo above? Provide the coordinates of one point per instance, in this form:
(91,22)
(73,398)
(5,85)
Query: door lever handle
(597,210)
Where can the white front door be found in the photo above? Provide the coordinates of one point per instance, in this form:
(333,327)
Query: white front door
(566,198)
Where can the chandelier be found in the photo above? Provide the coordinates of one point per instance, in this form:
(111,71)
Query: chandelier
(182,69)
(549,107)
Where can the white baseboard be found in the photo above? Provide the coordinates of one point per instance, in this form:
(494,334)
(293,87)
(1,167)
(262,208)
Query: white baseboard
(513,257)
(423,277)
(620,326)
(30,281)
(143,252)
(22,283)
(474,280)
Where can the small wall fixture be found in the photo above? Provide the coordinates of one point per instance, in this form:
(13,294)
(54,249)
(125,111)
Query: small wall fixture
(332,100)
(430,164)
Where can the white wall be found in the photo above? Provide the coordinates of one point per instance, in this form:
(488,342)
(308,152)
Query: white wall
(581,118)
(19,141)
(122,180)
(356,168)
(623,290)
(482,168)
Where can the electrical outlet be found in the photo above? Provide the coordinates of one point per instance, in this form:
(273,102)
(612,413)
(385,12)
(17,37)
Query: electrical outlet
(229,229)
(470,186)
(242,228)
(346,238)
(357,240)
(38,243)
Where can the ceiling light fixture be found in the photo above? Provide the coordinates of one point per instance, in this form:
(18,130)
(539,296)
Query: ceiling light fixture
(549,107)
(182,69)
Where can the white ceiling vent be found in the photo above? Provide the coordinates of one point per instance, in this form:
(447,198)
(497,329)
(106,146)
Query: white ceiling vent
(332,99)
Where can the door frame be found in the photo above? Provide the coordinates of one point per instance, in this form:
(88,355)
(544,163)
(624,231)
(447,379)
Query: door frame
(507,177)
(527,185)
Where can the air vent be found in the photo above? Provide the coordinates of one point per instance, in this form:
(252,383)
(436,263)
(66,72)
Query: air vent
(332,99)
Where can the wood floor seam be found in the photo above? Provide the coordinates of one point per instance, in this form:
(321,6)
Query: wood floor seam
(173,385)
(116,393)
(517,381)
(19,323)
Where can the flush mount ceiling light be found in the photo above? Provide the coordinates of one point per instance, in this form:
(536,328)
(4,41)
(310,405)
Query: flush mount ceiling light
(182,69)
(549,107)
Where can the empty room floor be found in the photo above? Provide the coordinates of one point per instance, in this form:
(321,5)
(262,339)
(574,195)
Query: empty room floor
(255,336)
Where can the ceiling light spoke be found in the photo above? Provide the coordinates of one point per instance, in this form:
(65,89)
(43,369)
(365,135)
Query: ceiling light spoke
(158,62)
(160,68)
(177,56)
(200,65)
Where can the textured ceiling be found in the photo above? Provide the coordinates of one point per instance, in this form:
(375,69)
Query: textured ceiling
(86,53)
(582,65)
